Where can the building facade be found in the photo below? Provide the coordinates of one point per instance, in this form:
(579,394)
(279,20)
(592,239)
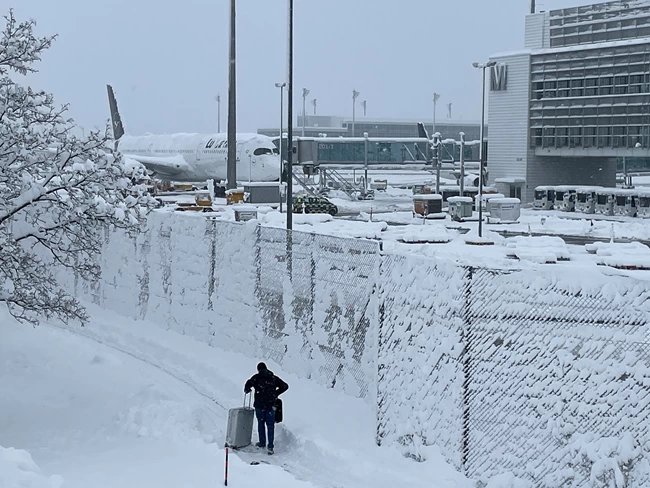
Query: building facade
(331,126)
(574,103)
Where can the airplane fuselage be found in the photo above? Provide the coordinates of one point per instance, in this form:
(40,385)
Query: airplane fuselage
(199,157)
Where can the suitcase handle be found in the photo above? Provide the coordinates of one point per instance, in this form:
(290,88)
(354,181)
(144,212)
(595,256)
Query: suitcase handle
(250,399)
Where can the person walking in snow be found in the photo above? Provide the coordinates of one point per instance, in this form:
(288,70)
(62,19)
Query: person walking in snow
(268,388)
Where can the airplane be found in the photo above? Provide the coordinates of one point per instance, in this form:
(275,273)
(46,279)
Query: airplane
(196,157)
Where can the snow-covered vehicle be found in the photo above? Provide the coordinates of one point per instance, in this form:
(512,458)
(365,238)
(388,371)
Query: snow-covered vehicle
(544,198)
(586,199)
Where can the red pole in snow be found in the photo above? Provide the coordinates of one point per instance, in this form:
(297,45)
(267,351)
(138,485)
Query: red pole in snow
(225,481)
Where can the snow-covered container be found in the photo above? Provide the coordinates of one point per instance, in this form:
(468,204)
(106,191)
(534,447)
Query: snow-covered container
(263,192)
(460,207)
(487,198)
(544,198)
(605,201)
(643,204)
(586,199)
(428,206)
(427,234)
(621,255)
(244,213)
(565,198)
(538,249)
(504,210)
(625,202)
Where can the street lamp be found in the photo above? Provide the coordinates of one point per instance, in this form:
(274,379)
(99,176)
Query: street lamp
(281,87)
(355,94)
(480,149)
(290,126)
(436,97)
(313,102)
(364,104)
(305,92)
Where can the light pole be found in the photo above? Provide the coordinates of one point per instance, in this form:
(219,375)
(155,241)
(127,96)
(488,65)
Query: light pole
(364,104)
(281,87)
(231,169)
(290,120)
(480,149)
(355,94)
(218,99)
(436,97)
(313,102)
(462,164)
(305,92)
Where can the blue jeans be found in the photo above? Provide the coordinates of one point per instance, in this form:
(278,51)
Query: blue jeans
(265,416)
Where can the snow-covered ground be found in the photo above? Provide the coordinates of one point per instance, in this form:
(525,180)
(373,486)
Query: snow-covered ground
(125,404)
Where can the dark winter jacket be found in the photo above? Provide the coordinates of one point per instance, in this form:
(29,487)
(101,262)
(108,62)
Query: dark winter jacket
(267,388)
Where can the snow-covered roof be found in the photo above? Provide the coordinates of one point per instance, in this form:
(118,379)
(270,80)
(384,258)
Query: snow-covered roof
(510,54)
(504,200)
(424,120)
(459,199)
(430,196)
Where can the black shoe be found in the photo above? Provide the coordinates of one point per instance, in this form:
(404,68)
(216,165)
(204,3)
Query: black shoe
(270,451)
(260,445)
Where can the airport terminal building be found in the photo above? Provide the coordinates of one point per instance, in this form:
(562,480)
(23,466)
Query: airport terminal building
(573,103)
(333,126)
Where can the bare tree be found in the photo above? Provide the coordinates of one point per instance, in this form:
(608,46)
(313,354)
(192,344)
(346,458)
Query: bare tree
(57,191)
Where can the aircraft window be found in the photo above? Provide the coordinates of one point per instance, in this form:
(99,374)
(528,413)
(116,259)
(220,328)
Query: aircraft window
(262,150)
(276,150)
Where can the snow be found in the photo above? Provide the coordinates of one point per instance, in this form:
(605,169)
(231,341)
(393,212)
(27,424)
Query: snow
(427,233)
(540,249)
(431,196)
(626,255)
(138,405)
(459,199)
(504,200)
(17,469)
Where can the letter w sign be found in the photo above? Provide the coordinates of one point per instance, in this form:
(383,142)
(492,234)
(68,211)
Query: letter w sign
(498,77)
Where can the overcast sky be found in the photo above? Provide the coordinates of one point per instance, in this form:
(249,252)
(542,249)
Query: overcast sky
(167,59)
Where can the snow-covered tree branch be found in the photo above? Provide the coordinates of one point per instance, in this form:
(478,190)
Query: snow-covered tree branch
(57,191)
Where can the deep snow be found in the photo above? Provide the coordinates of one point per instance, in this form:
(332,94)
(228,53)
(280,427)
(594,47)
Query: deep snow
(124,403)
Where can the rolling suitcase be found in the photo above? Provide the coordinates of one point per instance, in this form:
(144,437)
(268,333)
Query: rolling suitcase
(240,425)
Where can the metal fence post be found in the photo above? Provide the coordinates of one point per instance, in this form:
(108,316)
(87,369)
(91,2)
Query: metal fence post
(212,235)
(466,367)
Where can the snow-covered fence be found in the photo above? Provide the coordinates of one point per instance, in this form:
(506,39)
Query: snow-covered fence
(306,302)
(543,372)
(316,297)
(420,378)
(553,382)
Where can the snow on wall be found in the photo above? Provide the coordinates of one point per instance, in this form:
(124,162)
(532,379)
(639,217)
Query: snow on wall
(420,344)
(536,372)
(542,372)
(229,284)
(324,316)
(557,367)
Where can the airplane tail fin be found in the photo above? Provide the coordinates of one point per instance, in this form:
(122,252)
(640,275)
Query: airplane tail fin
(422,131)
(118,128)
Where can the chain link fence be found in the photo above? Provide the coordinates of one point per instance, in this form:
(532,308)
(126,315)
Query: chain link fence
(541,373)
(317,303)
